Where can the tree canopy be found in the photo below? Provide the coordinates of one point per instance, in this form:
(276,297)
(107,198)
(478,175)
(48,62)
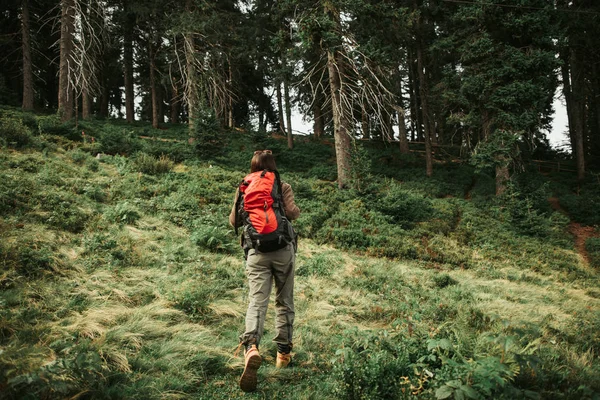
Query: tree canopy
(477,74)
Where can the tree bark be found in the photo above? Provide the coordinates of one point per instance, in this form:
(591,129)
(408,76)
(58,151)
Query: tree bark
(128,69)
(153,88)
(319,123)
(502,177)
(424,100)
(104,102)
(27,64)
(414,87)
(402,137)
(578,113)
(175,105)
(365,123)
(65,91)
(230,121)
(280,108)
(386,126)
(340,123)
(86,104)
(191,92)
(288,114)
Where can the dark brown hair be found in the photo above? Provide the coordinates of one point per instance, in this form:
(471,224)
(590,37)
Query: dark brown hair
(262,159)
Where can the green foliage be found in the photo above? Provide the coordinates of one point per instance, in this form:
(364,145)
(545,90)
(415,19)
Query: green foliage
(582,203)
(324,172)
(214,238)
(409,287)
(150,165)
(402,206)
(497,151)
(360,167)
(15,192)
(592,246)
(371,369)
(123,212)
(28,258)
(14,133)
(209,140)
(443,280)
(321,265)
(115,140)
(529,212)
(63,211)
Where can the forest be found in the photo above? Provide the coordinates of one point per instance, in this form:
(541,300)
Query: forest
(479,76)
(446,251)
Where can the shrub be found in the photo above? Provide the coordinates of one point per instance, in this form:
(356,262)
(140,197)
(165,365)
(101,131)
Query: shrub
(114,140)
(443,280)
(405,207)
(66,215)
(209,140)
(28,258)
(78,156)
(214,238)
(321,264)
(15,192)
(51,125)
(371,369)
(123,213)
(150,165)
(13,133)
(592,245)
(526,218)
(323,171)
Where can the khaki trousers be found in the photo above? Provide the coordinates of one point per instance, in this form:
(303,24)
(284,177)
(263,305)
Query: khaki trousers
(262,269)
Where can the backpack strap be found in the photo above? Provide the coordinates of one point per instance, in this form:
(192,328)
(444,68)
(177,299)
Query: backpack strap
(280,190)
(238,201)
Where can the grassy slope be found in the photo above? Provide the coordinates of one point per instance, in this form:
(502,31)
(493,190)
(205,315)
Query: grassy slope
(120,284)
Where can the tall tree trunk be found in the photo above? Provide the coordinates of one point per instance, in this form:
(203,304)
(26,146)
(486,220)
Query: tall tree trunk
(402,133)
(386,125)
(280,108)
(175,105)
(65,91)
(27,64)
(104,100)
(191,92)
(340,122)
(502,177)
(414,87)
(595,138)
(364,117)
(86,104)
(566,79)
(153,88)
(160,94)
(319,120)
(230,122)
(578,115)
(128,68)
(288,114)
(424,100)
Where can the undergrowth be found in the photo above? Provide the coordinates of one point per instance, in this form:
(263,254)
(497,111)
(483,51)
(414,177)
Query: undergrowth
(121,277)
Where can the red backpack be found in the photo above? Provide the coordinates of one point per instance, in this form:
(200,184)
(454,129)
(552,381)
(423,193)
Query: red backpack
(260,206)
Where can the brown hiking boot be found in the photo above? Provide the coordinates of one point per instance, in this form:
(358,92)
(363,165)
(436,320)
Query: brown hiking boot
(283,360)
(251,366)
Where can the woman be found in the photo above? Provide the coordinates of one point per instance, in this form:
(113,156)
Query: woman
(262,268)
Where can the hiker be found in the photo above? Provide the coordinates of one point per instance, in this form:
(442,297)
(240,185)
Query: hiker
(269,257)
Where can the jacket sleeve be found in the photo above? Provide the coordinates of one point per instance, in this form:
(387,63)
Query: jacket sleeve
(291,209)
(233,211)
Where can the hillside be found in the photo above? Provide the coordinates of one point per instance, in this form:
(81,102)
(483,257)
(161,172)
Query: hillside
(120,277)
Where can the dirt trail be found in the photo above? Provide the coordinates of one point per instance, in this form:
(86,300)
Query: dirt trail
(580,233)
